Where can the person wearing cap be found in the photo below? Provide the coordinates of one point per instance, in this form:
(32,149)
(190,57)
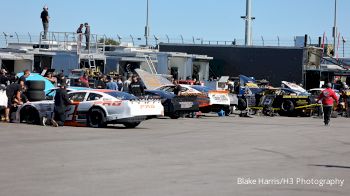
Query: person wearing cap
(136,87)
(61,103)
(45,20)
(87,35)
(328,97)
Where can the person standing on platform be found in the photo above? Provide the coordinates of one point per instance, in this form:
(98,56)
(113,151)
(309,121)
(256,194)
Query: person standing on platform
(45,20)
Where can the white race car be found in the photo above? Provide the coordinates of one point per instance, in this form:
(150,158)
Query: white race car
(96,108)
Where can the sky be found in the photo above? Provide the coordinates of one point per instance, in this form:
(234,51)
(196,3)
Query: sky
(207,19)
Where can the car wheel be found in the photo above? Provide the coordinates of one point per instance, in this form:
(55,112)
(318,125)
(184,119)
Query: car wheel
(242,104)
(96,118)
(287,106)
(174,116)
(334,114)
(30,115)
(131,125)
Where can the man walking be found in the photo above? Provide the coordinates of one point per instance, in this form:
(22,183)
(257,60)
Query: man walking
(87,36)
(61,103)
(45,20)
(328,97)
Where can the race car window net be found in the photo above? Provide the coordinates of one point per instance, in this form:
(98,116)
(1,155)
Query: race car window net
(122,95)
(77,97)
(93,97)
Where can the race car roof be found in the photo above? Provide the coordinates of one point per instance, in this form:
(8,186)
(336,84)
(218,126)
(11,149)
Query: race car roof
(103,90)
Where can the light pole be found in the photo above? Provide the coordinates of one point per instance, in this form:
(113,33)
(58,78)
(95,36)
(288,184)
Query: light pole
(248,23)
(147,30)
(335,26)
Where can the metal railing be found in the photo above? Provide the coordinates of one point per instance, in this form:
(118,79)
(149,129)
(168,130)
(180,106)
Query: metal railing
(66,38)
(73,42)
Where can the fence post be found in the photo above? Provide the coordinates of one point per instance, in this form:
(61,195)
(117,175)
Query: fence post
(295,40)
(193,40)
(30,37)
(278,39)
(5,35)
(167,37)
(132,40)
(17,37)
(119,38)
(310,40)
(263,41)
(182,39)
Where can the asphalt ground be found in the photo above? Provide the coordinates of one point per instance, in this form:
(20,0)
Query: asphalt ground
(207,156)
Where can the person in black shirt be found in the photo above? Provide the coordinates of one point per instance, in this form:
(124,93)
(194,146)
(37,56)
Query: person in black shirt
(80,34)
(177,88)
(101,83)
(61,103)
(87,36)
(13,92)
(136,87)
(45,20)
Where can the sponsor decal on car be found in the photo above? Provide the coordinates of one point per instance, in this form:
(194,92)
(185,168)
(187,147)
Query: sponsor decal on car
(108,103)
(186,104)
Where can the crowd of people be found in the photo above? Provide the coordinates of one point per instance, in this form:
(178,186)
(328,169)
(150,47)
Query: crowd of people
(15,89)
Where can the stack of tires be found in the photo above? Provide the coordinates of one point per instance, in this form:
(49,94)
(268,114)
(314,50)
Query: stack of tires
(35,90)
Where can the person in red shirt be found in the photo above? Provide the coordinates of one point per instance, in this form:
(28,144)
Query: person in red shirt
(328,97)
(84,80)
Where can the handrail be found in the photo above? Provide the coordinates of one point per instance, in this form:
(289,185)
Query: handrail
(70,41)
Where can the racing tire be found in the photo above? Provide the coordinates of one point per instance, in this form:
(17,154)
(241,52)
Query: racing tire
(174,116)
(242,104)
(29,115)
(131,125)
(96,118)
(228,111)
(287,106)
(35,95)
(35,85)
(334,114)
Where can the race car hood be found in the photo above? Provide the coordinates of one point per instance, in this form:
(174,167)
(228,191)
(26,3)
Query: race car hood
(152,81)
(294,87)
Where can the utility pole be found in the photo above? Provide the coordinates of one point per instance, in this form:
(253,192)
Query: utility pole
(248,23)
(147,29)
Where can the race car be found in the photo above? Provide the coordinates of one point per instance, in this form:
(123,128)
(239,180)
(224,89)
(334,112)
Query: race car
(284,101)
(175,106)
(209,100)
(96,108)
